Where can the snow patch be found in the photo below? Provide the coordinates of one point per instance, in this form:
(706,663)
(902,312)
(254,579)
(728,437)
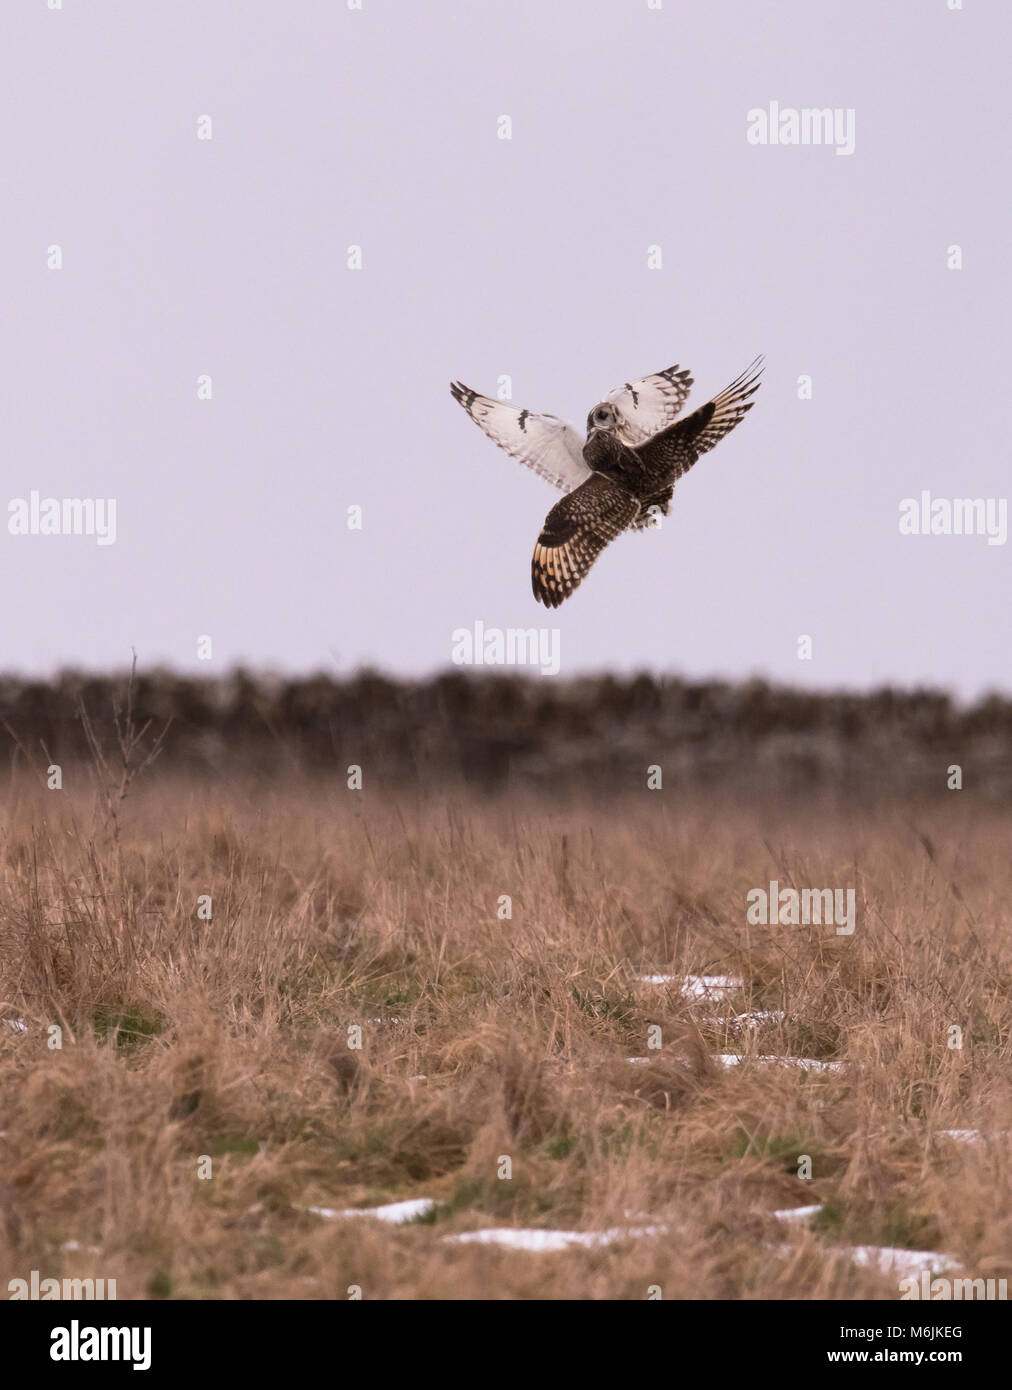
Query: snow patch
(710,986)
(696,986)
(798,1213)
(972,1136)
(395,1213)
(732,1059)
(540,1241)
(887,1259)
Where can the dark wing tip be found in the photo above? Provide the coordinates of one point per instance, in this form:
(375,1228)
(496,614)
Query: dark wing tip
(747,383)
(463,395)
(544,596)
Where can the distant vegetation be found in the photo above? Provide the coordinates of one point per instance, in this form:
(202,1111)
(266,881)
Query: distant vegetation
(504,732)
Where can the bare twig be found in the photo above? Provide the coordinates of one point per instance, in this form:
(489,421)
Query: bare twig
(116,780)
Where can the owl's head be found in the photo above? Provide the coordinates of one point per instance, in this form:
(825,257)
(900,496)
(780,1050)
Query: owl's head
(604,418)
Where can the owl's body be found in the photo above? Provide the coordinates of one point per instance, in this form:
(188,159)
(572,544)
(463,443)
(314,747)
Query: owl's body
(605,453)
(621,476)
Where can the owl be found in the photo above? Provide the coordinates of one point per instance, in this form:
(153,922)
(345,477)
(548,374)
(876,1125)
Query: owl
(621,475)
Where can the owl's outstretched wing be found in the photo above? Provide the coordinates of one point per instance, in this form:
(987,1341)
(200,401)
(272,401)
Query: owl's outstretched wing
(545,443)
(673,452)
(575,532)
(649,405)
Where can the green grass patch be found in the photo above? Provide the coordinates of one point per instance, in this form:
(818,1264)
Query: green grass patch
(128,1026)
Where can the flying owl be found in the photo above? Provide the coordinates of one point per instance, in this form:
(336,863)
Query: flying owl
(622,475)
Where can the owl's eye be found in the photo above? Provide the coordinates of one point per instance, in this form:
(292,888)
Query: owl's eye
(602,417)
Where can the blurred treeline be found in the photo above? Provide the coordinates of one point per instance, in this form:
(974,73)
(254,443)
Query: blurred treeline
(496,732)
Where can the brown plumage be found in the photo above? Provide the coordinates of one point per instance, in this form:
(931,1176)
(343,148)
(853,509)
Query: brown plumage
(625,474)
(575,532)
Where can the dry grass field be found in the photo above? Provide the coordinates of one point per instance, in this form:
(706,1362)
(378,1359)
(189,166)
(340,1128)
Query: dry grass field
(486,1039)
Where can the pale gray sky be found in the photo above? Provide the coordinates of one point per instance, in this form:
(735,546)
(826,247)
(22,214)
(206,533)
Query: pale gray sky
(484,257)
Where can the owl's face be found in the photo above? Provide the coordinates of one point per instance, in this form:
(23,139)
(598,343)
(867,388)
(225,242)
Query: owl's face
(603,417)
